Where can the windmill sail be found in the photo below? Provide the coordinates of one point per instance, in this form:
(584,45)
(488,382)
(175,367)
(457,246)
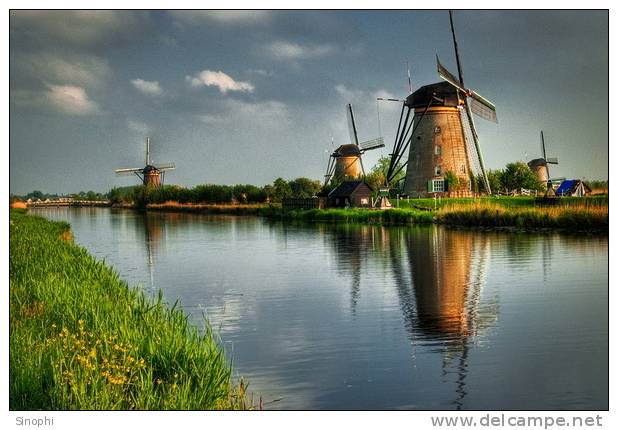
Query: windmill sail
(484,108)
(129,170)
(449,77)
(351,125)
(477,148)
(372,144)
(169,166)
(473,158)
(552,160)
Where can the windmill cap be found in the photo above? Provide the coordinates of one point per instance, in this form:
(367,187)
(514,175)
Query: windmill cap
(537,162)
(424,95)
(150,168)
(347,150)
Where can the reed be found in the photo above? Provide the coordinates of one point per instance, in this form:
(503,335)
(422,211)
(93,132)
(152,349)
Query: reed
(368,216)
(80,338)
(573,217)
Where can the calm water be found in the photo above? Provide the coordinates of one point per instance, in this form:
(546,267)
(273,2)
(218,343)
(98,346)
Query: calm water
(363,317)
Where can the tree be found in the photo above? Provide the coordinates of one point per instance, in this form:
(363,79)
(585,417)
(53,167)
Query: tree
(494,177)
(376,178)
(518,175)
(36,194)
(281,189)
(304,187)
(454,182)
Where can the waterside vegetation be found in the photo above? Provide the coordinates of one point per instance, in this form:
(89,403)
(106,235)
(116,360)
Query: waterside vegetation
(588,214)
(80,338)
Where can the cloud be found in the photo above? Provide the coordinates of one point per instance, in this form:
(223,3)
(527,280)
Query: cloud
(220,80)
(138,127)
(84,28)
(147,87)
(70,99)
(355,95)
(282,50)
(269,114)
(74,69)
(195,17)
(349,95)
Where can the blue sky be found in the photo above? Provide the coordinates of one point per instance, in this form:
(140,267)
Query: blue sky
(249,96)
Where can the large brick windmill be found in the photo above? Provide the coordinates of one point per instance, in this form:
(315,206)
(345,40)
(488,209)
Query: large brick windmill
(437,129)
(151,175)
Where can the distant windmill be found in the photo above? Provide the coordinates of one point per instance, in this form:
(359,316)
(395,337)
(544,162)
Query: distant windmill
(151,175)
(440,134)
(540,166)
(346,161)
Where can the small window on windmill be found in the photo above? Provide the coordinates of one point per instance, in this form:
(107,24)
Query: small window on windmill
(437,130)
(436,186)
(437,150)
(463,168)
(438,170)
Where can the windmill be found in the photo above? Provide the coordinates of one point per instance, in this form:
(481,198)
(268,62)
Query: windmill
(441,135)
(151,175)
(346,161)
(540,166)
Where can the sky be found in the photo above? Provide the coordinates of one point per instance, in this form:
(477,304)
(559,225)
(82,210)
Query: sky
(237,97)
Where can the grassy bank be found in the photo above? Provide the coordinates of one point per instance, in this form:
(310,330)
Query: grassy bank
(80,338)
(580,218)
(214,209)
(368,216)
(503,201)
(589,214)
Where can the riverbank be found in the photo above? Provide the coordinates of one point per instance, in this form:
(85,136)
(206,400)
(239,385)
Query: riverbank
(80,338)
(578,215)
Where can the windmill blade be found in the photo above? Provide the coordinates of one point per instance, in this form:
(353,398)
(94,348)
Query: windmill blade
(372,144)
(409,78)
(449,77)
(552,160)
(129,171)
(390,100)
(168,166)
(477,147)
(351,125)
(482,107)
(330,169)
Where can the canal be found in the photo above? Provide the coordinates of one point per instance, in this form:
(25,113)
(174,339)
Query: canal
(368,317)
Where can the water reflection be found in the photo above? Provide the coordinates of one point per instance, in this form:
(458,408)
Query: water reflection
(369,317)
(439,276)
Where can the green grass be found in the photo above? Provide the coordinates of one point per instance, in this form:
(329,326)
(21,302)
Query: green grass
(80,338)
(582,215)
(504,201)
(568,217)
(368,216)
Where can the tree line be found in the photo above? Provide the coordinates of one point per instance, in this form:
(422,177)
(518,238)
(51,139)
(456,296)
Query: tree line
(214,193)
(513,177)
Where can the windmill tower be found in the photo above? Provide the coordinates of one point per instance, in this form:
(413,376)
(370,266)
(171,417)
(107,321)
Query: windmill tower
(151,175)
(437,129)
(346,161)
(540,166)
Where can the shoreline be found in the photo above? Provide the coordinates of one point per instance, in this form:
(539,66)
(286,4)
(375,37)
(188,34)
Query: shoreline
(81,338)
(503,214)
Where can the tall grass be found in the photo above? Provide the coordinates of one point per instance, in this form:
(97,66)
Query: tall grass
(574,214)
(80,338)
(504,201)
(581,218)
(369,216)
